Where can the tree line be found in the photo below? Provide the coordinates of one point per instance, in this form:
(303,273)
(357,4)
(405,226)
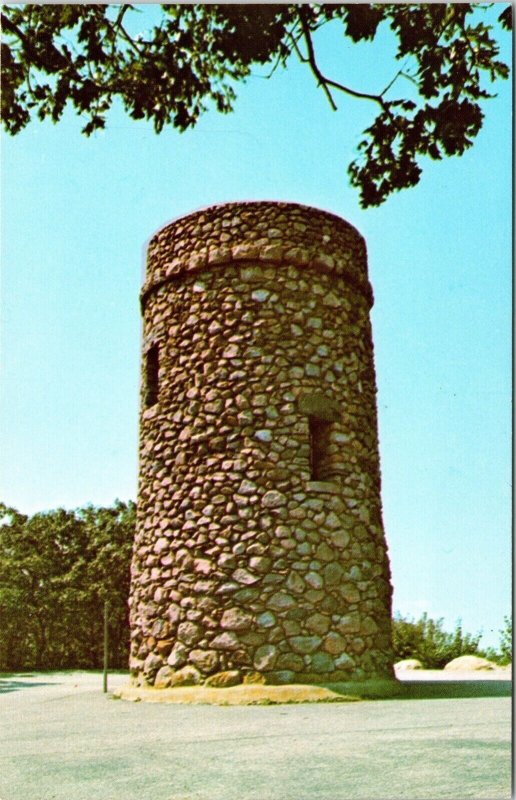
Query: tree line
(57,569)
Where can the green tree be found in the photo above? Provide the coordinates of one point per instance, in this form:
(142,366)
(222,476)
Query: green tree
(506,641)
(56,570)
(107,575)
(426,640)
(194,57)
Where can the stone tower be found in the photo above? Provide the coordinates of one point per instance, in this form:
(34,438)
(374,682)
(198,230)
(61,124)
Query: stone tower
(260,546)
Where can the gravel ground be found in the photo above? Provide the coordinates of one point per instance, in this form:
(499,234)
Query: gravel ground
(63,739)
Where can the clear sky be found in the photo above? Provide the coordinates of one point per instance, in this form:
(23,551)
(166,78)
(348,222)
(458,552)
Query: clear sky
(76,214)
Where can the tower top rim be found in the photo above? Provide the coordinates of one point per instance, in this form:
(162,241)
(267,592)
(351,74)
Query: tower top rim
(249,205)
(274,232)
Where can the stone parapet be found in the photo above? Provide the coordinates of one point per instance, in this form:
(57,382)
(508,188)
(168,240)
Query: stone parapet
(277,233)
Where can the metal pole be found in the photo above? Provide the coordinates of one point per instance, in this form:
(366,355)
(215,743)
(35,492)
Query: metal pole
(106,647)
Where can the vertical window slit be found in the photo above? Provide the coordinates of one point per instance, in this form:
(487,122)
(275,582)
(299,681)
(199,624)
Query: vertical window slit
(152,376)
(319,432)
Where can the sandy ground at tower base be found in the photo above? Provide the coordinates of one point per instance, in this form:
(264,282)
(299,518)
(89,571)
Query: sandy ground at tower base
(407,684)
(243,694)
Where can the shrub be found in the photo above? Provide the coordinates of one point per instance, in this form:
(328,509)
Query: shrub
(506,641)
(426,640)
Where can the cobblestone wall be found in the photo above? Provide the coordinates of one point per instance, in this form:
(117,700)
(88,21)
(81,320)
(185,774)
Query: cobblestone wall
(260,551)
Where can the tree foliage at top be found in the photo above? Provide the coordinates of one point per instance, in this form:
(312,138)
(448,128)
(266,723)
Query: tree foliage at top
(192,59)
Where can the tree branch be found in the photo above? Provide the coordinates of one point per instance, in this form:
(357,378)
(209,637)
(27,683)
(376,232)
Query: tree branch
(325,82)
(322,81)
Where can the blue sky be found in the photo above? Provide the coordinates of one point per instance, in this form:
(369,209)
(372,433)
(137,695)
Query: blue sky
(76,214)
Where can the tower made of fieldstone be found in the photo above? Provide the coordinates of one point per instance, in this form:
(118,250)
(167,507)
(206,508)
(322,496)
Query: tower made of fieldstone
(260,551)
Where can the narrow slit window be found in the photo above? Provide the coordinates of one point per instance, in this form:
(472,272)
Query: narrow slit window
(320,466)
(152,376)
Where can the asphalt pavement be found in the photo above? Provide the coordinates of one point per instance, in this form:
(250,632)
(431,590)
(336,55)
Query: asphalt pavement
(63,739)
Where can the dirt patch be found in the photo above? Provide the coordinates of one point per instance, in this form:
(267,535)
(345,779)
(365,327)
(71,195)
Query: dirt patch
(260,694)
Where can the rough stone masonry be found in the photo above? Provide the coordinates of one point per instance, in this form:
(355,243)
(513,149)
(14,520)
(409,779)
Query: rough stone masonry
(260,552)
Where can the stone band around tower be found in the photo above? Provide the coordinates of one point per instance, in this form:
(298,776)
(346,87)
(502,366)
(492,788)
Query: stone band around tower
(277,233)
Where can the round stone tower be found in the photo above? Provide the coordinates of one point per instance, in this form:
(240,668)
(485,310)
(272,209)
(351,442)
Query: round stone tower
(260,552)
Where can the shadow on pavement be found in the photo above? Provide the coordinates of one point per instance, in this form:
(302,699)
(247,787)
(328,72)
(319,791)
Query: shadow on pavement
(428,690)
(15,684)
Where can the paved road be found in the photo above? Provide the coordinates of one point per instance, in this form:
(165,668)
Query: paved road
(62,739)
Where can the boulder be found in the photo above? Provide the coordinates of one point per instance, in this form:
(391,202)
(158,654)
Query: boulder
(470,663)
(408,663)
